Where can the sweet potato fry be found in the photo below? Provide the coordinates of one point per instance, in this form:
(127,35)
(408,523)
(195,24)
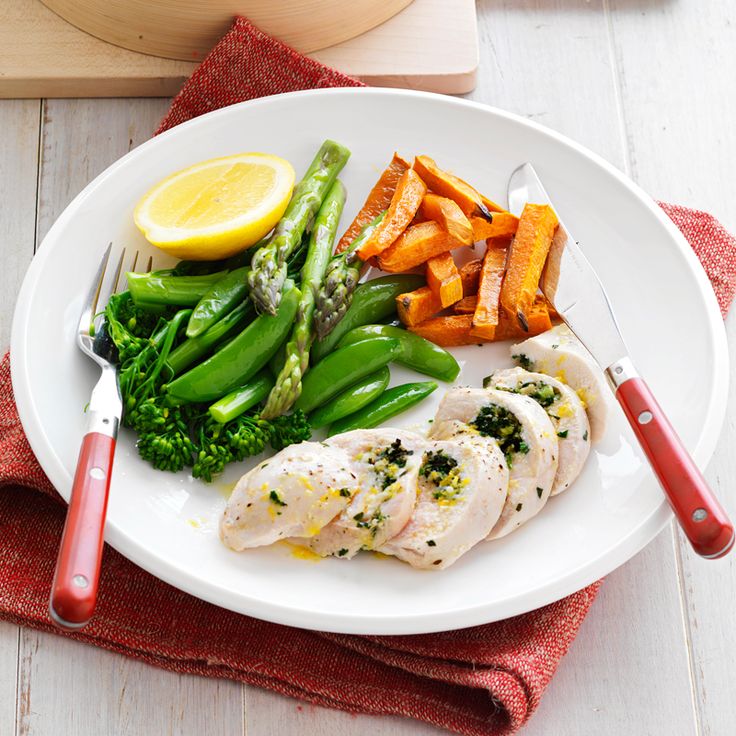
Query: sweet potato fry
(492,206)
(470,276)
(447,213)
(448,185)
(448,331)
(454,330)
(416,306)
(416,245)
(503,225)
(538,318)
(485,318)
(526,259)
(444,279)
(407,198)
(378,200)
(466,305)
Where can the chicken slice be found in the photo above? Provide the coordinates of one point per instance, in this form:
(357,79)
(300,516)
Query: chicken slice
(462,489)
(560,354)
(386,463)
(294,493)
(525,435)
(564,408)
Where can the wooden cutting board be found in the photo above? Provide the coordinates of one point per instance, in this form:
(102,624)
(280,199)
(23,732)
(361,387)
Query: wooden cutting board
(431,45)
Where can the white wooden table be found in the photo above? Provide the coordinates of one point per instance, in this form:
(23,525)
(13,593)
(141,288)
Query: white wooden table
(649,85)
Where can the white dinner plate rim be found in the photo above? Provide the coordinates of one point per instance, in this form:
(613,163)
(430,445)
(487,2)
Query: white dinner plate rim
(414,623)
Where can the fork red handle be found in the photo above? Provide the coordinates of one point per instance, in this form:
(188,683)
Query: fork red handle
(74,590)
(699,513)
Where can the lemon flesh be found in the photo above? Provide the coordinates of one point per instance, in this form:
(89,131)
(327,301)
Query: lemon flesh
(216,208)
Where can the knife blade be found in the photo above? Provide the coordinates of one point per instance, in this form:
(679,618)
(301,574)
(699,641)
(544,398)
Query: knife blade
(571,285)
(569,282)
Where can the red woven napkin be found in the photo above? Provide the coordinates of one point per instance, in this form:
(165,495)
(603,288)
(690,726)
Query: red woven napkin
(485,680)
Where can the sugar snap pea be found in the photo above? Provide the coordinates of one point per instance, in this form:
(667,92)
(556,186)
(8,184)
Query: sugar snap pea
(416,352)
(344,367)
(182,291)
(373,301)
(354,397)
(220,298)
(194,348)
(392,402)
(195,268)
(242,358)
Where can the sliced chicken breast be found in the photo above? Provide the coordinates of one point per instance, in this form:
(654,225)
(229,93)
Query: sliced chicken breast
(560,354)
(525,435)
(462,489)
(386,463)
(294,493)
(564,408)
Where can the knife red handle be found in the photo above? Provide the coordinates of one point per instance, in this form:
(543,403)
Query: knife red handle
(699,513)
(74,590)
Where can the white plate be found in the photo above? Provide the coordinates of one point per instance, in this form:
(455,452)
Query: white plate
(167,523)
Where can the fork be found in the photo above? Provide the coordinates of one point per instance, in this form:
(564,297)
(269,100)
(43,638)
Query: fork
(76,579)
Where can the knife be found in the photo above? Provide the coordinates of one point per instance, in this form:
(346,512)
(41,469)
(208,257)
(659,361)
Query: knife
(571,285)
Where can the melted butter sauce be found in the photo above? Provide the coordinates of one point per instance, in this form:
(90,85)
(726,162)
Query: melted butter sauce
(225,489)
(301,553)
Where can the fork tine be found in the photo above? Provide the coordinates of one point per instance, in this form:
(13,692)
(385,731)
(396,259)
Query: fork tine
(90,305)
(94,294)
(118,270)
(150,264)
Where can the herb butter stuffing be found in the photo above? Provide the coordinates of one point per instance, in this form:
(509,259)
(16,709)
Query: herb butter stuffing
(388,463)
(371,524)
(544,394)
(442,470)
(495,421)
(524,361)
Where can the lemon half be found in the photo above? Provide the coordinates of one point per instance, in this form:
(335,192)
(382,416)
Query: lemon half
(216,208)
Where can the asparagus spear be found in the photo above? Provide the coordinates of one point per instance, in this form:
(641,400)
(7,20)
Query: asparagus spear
(268,267)
(343,273)
(288,385)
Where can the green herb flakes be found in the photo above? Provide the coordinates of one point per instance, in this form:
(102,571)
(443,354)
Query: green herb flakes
(275,498)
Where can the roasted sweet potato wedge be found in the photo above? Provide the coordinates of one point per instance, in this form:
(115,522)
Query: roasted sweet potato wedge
(469,199)
(455,329)
(486,316)
(416,245)
(378,200)
(447,213)
(538,317)
(448,331)
(444,279)
(414,307)
(470,276)
(407,198)
(503,225)
(526,258)
(466,305)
